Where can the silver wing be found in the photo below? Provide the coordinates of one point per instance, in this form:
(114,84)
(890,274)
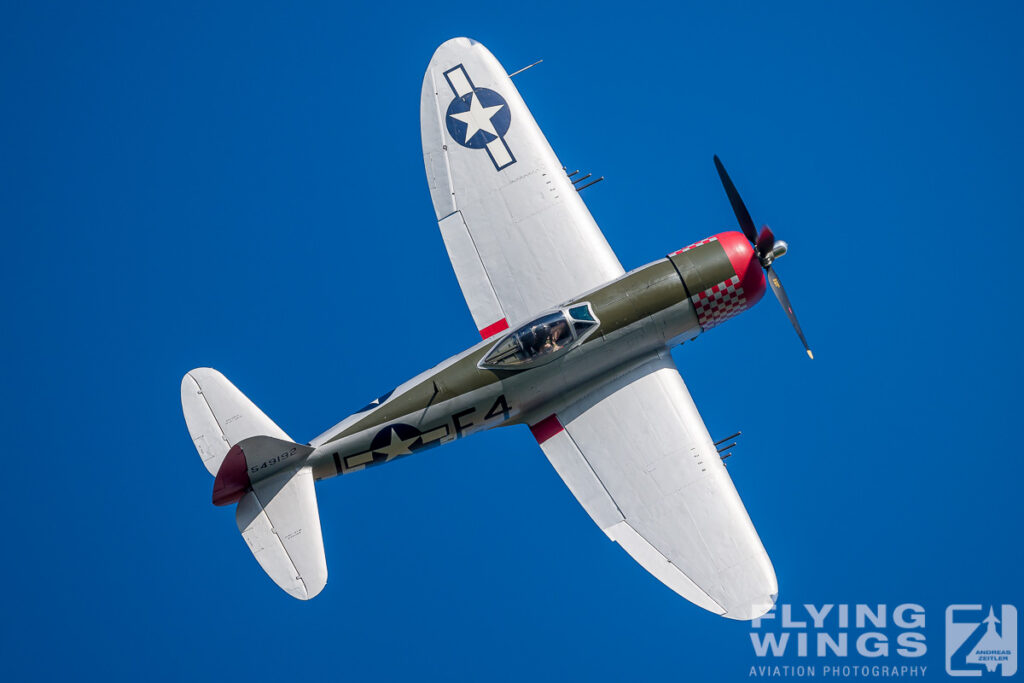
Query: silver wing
(518,234)
(638,457)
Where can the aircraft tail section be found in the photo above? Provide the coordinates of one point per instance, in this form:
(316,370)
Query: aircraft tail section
(219,416)
(258,466)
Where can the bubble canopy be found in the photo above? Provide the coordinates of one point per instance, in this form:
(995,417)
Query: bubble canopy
(543,339)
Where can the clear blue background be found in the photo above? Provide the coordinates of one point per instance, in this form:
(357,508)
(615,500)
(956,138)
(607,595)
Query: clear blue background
(242,186)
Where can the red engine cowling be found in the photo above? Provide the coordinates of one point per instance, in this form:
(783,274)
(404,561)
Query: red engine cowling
(722,276)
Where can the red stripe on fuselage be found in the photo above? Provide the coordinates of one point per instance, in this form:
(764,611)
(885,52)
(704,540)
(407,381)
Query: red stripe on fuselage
(494,328)
(546,428)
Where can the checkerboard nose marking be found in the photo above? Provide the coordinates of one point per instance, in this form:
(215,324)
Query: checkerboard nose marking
(717,304)
(706,240)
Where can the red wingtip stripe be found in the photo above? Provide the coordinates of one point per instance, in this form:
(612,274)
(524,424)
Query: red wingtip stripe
(546,428)
(494,328)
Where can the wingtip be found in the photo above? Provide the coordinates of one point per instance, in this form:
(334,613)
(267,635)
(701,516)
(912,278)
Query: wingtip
(754,610)
(304,592)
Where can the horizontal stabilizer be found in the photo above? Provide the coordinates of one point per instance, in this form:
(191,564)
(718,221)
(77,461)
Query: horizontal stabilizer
(280,523)
(218,416)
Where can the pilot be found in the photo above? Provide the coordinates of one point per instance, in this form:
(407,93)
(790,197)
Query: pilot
(542,340)
(560,334)
(553,337)
(530,342)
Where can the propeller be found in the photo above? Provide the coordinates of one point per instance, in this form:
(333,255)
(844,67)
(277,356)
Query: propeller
(766,247)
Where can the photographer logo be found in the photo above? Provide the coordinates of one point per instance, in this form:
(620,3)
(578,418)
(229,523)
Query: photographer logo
(981,640)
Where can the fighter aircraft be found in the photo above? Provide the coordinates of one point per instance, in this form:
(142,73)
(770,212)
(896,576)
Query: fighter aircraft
(572,346)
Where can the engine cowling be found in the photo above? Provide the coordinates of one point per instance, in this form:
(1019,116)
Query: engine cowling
(722,275)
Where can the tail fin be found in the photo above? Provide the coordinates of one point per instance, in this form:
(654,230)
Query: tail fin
(258,465)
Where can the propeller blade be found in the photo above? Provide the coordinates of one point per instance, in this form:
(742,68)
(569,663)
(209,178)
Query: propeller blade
(765,241)
(738,207)
(780,294)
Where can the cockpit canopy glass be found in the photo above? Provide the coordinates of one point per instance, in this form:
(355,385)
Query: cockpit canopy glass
(542,339)
(582,319)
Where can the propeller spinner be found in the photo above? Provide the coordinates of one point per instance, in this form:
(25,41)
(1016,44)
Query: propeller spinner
(766,247)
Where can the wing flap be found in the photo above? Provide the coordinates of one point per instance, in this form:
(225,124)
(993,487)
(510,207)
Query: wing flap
(579,476)
(470,272)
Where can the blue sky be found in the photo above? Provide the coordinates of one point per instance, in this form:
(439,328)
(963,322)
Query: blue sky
(242,186)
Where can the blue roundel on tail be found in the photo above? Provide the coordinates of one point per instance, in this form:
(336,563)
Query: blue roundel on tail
(477,118)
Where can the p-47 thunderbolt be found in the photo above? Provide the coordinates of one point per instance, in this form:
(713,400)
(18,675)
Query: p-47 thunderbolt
(573,347)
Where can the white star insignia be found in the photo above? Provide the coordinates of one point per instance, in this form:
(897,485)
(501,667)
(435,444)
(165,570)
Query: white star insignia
(478,117)
(396,447)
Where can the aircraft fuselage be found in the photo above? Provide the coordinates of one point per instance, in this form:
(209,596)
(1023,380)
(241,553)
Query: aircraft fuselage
(644,312)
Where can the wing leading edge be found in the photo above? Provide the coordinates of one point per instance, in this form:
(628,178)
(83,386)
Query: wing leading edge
(637,456)
(519,236)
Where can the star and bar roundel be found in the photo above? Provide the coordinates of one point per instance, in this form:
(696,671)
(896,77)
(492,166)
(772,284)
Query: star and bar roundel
(478,118)
(394,441)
